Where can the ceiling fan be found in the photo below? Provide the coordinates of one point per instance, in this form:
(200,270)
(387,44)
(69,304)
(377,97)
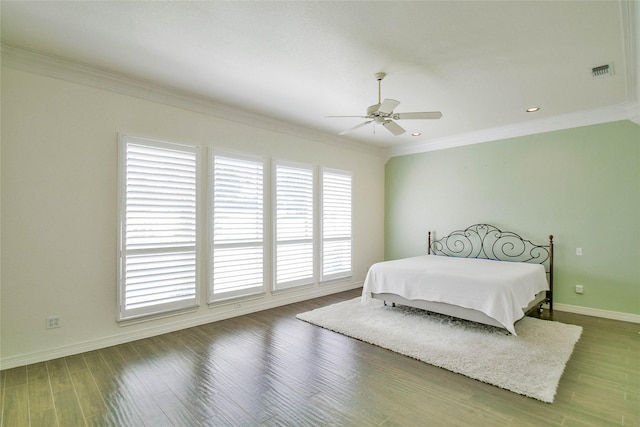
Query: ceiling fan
(382,113)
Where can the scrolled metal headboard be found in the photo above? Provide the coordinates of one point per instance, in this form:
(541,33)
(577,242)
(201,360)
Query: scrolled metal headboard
(488,242)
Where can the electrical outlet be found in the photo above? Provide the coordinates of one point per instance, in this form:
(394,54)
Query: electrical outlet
(237,305)
(579,251)
(579,289)
(53,322)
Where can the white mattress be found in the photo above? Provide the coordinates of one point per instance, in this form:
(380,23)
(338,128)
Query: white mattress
(499,289)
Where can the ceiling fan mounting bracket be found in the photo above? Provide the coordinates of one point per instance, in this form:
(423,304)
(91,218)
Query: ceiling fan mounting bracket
(380,75)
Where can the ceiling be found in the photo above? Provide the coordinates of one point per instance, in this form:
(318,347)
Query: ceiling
(481,63)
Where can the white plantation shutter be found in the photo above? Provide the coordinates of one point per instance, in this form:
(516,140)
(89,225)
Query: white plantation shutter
(158,227)
(336,225)
(237,221)
(294,249)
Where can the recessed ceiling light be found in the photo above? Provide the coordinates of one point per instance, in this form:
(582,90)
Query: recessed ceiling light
(533,109)
(416,133)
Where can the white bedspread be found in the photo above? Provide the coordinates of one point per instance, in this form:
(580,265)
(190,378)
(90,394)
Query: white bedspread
(499,289)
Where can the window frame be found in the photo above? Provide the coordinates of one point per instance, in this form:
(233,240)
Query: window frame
(308,280)
(214,297)
(344,274)
(124,314)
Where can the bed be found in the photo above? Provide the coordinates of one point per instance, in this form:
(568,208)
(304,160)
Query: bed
(481,274)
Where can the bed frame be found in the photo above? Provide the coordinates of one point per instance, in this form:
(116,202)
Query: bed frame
(484,241)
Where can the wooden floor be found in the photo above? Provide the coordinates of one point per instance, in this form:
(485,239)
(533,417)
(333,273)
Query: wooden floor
(270,369)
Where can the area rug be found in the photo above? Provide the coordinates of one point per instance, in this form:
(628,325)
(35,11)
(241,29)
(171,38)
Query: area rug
(529,364)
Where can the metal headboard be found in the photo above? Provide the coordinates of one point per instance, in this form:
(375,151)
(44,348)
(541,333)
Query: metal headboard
(488,242)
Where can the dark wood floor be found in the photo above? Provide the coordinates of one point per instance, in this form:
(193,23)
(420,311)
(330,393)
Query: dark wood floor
(270,369)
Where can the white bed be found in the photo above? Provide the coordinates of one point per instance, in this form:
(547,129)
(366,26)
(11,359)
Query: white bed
(480,274)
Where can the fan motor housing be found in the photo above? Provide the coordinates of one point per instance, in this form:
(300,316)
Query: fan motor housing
(373,110)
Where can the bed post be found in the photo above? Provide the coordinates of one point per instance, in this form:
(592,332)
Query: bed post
(429,243)
(550,293)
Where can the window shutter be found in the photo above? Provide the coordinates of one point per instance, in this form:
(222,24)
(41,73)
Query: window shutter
(158,245)
(238,227)
(336,225)
(294,250)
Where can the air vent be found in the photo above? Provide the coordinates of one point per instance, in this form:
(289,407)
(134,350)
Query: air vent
(602,71)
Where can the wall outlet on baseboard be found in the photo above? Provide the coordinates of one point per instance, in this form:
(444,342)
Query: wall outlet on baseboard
(579,289)
(53,322)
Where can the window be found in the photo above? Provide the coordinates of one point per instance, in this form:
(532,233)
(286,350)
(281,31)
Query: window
(237,224)
(158,224)
(336,225)
(293,230)
(160,232)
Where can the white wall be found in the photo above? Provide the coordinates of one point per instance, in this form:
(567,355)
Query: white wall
(59,204)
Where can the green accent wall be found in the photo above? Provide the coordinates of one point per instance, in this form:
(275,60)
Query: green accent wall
(582,185)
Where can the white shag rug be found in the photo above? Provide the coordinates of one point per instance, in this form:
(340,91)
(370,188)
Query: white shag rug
(530,364)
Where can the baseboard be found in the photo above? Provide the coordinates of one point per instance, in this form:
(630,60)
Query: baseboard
(248,307)
(596,312)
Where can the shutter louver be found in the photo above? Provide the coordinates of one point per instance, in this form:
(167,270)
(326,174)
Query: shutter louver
(159,228)
(238,227)
(336,225)
(159,279)
(294,227)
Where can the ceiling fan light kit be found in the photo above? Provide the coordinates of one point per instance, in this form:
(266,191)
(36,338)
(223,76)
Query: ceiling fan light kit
(382,113)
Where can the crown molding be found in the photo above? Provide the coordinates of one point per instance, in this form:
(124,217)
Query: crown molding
(23,59)
(630,19)
(60,68)
(625,111)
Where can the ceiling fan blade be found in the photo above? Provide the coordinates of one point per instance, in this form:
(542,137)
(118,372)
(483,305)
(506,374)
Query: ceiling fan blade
(393,127)
(387,106)
(360,117)
(355,127)
(422,115)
